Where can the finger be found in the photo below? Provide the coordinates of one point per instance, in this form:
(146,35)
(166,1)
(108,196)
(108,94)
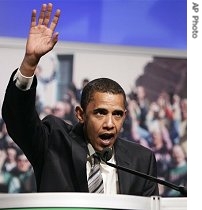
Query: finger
(33,18)
(54,38)
(48,14)
(55,20)
(42,14)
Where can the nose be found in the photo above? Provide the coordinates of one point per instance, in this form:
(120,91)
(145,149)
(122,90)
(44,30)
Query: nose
(109,122)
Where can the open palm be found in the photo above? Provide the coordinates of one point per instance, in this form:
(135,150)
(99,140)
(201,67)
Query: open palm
(42,37)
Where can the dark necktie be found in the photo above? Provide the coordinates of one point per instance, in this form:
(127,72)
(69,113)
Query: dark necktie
(95,181)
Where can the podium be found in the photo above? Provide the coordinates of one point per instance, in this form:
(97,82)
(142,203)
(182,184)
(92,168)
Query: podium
(81,201)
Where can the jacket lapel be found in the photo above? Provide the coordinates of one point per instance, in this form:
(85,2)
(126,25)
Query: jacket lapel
(123,159)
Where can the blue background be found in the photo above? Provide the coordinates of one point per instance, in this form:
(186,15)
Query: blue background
(138,23)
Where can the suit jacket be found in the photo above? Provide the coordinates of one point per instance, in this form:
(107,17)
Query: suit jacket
(58,151)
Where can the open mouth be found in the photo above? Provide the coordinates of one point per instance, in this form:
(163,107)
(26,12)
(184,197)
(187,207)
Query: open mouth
(106,138)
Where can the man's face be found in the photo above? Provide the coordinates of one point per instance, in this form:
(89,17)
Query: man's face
(22,163)
(103,119)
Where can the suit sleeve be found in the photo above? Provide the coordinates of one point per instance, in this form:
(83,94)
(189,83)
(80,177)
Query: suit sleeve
(22,121)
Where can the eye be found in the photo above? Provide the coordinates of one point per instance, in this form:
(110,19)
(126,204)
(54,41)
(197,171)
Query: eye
(118,114)
(100,112)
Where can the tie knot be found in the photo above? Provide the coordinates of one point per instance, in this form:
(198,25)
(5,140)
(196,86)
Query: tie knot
(96,158)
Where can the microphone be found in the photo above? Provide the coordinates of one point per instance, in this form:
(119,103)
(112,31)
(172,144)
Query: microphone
(106,155)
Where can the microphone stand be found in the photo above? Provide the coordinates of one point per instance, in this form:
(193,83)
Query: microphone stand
(181,189)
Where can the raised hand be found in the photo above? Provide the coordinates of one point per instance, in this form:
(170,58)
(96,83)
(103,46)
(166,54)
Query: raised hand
(42,38)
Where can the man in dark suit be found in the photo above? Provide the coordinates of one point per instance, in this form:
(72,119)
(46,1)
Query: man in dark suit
(60,153)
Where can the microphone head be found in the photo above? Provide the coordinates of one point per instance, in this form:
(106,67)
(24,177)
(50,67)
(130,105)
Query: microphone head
(106,154)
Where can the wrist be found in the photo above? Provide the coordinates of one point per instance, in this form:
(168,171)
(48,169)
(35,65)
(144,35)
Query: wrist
(28,66)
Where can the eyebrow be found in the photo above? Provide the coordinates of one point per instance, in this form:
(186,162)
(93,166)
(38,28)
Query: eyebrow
(100,110)
(117,111)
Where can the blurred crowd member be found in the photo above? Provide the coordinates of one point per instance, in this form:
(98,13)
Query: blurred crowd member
(177,173)
(45,111)
(138,94)
(7,159)
(183,126)
(6,181)
(156,116)
(85,81)
(5,139)
(65,111)
(176,119)
(59,110)
(138,133)
(160,149)
(25,182)
(10,161)
(4,177)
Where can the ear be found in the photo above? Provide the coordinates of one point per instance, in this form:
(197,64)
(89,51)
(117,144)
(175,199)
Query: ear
(79,114)
(125,114)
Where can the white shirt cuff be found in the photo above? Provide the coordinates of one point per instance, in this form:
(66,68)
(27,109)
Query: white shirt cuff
(23,82)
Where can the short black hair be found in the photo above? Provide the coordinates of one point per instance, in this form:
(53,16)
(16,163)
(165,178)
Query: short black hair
(102,85)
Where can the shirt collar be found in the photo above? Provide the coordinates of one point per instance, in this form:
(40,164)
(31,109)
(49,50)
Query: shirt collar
(90,150)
